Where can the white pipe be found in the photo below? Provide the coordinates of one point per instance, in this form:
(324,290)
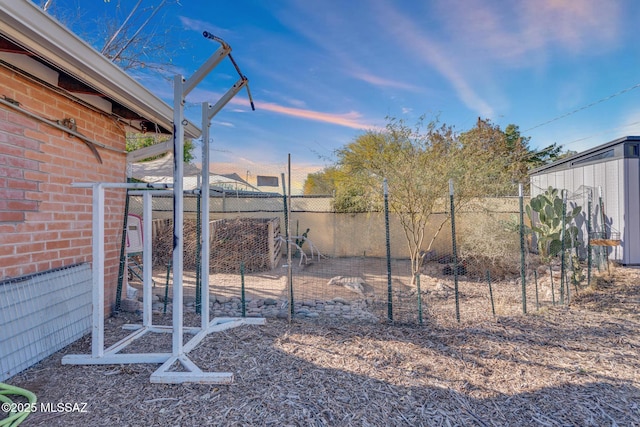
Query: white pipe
(147,262)
(130,185)
(97,342)
(178,214)
(204,206)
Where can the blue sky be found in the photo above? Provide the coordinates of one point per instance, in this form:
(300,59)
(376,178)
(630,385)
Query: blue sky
(322,72)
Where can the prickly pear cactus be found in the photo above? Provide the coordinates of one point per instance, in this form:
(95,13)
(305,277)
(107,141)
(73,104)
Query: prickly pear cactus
(545,214)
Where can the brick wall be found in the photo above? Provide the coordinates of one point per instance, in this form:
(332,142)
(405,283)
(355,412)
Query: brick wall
(45,223)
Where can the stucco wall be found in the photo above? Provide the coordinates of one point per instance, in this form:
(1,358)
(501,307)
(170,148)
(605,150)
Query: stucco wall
(359,234)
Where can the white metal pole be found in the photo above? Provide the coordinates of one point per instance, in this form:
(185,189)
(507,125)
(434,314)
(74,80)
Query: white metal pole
(147,269)
(97,342)
(204,206)
(178,214)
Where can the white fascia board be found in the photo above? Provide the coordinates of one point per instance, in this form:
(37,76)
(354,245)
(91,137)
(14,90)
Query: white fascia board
(36,31)
(150,151)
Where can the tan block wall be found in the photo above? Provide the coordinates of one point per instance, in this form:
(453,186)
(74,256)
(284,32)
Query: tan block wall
(45,223)
(360,234)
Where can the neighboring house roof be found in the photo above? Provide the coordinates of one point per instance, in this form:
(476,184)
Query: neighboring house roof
(591,155)
(39,35)
(161,171)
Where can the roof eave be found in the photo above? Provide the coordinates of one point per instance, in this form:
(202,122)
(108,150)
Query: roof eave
(45,37)
(583,154)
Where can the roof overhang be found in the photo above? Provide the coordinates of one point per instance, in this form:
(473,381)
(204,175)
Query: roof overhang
(567,160)
(45,38)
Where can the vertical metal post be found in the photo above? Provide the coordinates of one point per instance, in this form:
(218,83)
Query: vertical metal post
(493,306)
(286,214)
(419,298)
(147,261)
(198,254)
(122,268)
(604,253)
(523,276)
(178,213)
(562,245)
(204,217)
(535,277)
(243,300)
(385,189)
(455,250)
(289,254)
(97,341)
(589,255)
(553,291)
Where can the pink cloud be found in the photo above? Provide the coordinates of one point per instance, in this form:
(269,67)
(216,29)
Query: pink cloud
(379,81)
(351,120)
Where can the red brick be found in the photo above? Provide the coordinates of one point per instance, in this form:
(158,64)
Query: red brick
(10,172)
(7,193)
(20,162)
(42,266)
(43,256)
(37,136)
(39,216)
(30,247)
(23,205)
(11,216)
(21,184)
(23,121)
(35,176)
(11,150)
(7,249)
(32,226)
(57,244)
(37,196)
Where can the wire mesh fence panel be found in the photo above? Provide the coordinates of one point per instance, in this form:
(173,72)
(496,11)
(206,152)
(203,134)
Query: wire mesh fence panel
(341,270)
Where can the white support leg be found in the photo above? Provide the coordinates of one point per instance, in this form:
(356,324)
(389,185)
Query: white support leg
(147,267)
(97,331)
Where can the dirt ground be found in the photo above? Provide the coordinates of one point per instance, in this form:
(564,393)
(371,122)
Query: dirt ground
(556,366)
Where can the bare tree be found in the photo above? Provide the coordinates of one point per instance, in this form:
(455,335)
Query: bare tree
(135,38)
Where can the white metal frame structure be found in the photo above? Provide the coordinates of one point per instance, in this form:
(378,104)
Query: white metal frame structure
(189,372)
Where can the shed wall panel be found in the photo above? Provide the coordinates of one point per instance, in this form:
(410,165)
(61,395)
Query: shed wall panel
(632,212)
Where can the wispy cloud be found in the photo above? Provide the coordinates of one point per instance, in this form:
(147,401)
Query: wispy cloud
(351,120)
(382,82)
(409,35)
(225,124)
(524,32)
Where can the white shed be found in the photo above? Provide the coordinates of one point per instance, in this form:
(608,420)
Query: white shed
(615,168)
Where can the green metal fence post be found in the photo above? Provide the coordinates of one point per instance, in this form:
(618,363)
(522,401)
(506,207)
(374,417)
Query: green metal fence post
(419,298)
(198,253)
(242,296)
(562,245)
(455,250)
(553,291)
(523,277)
(535,277)
(493,307)
(123,255)
(385,188)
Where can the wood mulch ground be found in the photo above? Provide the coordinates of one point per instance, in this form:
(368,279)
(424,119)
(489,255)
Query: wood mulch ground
(561,366)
